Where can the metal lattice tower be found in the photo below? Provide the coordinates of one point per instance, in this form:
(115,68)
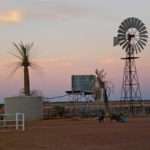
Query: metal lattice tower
(132,36)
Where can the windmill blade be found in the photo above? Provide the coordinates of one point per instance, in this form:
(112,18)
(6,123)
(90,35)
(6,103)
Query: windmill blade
(130,22)
(135,22)
(123,42)
(116,41)
(139,24)
(125,45)
(120,31)
(125,25)
(142,29)
(140,45)
(126,22)
(144,36)
(143,32)
(143,39)
(122,35)
(120,38)
(121,27)
(139,49)
(127,49)
(135,49)
(143,43)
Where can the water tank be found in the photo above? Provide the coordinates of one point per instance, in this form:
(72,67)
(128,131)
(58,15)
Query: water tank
(84,83)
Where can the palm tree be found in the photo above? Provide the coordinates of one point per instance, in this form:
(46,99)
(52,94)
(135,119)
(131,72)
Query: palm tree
(23,55)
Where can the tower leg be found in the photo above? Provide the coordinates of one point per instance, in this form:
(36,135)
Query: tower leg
(131,92)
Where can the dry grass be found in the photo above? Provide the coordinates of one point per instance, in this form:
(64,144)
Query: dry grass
(79,135)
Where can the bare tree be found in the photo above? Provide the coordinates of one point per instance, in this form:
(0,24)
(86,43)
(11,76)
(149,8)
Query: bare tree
(102,84)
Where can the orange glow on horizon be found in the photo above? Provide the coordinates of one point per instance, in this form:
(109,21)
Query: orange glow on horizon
(13,16)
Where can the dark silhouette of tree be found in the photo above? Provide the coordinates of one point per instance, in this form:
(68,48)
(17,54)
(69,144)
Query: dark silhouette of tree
(103,85)
(23,55)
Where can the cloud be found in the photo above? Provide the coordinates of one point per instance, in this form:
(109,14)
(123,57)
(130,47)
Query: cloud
(54,10)
(12,16)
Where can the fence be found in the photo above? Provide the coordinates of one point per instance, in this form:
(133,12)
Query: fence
(12,120)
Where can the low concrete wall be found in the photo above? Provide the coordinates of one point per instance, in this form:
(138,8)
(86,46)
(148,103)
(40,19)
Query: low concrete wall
(29,105)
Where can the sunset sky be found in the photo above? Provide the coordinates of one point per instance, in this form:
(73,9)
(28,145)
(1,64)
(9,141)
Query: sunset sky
(70,37)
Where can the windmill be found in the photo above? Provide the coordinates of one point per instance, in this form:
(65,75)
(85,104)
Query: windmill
(132,37)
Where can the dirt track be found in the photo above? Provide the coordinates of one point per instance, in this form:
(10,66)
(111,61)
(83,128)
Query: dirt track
(79,135)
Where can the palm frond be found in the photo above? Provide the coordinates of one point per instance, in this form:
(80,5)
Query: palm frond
(35,66)
(22,48)
(28,48)
(17,66)
(15,55)
(18,48)
(24,52)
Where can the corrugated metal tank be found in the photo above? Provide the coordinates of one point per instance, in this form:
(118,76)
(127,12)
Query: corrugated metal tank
(83,83)
(31,106)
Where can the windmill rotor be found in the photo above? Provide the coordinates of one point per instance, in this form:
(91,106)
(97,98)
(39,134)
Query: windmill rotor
(132,35)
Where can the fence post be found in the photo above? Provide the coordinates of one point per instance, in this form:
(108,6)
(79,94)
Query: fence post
(4,120)
(17,122)
(23,121)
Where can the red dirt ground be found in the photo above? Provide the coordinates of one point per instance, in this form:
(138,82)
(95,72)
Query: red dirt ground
(85,134)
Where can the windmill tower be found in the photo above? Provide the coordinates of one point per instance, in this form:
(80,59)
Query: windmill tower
(132,37)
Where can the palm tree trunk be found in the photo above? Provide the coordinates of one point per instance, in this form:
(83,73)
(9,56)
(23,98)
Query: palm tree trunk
(26,81)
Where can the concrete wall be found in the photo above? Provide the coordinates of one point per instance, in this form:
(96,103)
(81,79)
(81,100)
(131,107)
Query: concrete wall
(29,105)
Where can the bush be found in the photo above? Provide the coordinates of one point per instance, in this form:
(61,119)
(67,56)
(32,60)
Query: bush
(60,110)
(1,106)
